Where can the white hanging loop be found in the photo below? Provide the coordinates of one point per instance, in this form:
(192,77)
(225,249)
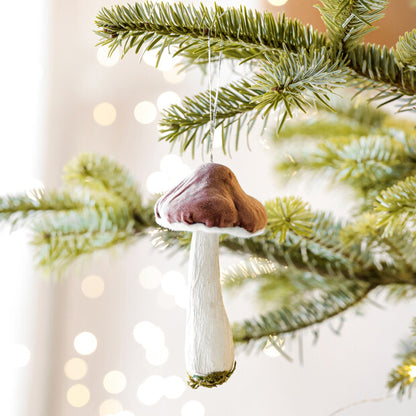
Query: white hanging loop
(212,111)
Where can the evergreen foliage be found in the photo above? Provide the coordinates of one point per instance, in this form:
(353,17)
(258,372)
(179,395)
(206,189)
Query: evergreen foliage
(293,65)
(307,267)
(403,377)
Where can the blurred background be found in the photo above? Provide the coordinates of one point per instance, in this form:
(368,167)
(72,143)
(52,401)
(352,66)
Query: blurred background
(108,338)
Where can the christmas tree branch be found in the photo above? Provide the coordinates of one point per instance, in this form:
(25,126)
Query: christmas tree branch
(101,175)
(276,285)
(368,163)
(294,82)
(379,70)
(298,66)
(54,251)
(234,32)
(346,119)
(18,209)
(403,377)
(406,49)
(396,207)
(318,307)
(347,21)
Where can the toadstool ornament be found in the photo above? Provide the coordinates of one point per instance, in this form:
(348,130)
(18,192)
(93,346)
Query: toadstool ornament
(208,203)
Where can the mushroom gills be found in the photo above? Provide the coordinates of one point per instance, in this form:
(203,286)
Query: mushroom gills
(209,347)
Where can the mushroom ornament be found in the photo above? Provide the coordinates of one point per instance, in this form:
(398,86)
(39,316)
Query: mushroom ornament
(208,203)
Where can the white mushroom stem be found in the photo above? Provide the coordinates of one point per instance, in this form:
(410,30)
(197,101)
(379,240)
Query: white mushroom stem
(209,344)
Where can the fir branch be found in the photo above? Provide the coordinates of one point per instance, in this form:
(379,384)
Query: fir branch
(368,163)
(276,285)
(396,207)
(187,123)
(380,71)
(403,377)
(397,249)
(347,21)
(306,313)
(19,209)
(238,32)
(367,160)
(406,49)
(295,81)
(104,176)
(288,213)
(321,253)
(325,127)
(62,238)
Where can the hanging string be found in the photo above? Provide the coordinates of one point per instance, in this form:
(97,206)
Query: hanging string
(212,111)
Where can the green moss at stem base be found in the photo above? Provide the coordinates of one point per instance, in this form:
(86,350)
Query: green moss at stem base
(210,380)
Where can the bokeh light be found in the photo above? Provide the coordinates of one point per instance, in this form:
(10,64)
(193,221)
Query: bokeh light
(104,59)
(156,182)
(78,395)
(166,61)
(110,407)
(114,382)
(151,390)
(149,335)
(85,343)
(277,2)
(92,286)
(166,99)
(181,297)
(145,112)
(172,171)
(157,356)
(170,163)
(173,282)
(193,408)
(174,387)
(174,166)
(412,371)
(104,114)
(175,75)
(19,355)
(149,277)
(75,368)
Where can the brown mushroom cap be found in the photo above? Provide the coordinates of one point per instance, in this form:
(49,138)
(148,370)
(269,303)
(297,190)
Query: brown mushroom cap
(211,199)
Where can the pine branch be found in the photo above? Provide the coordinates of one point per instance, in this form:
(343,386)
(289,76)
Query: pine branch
(406,49)
(288,213)
(104,176)
(350,118)
(17,210)
(277,286)
(347,21)
(398,250)
(55,252)
(306,313)
(396,207)
(102,208)
(62,238)
(380,71)
(188,123)
(321,253)
(299,66)
(368,163)
(296,81)
(235,32)
(403,377)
